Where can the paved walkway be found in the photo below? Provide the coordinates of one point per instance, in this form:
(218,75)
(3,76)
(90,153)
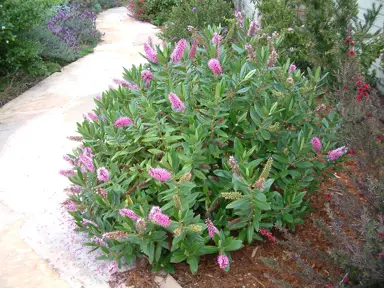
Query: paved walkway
(33,131)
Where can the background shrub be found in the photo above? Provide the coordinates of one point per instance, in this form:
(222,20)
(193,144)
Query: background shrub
(17,17)
(196,13)
(319,31)
(234,152)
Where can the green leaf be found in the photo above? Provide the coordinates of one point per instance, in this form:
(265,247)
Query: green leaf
(233,245)
(288,218)
(193,262)
(265,134)
(199,174)
(239,149)
(243,90)
(250,232)
(238,49)
(178,257)
(303,164)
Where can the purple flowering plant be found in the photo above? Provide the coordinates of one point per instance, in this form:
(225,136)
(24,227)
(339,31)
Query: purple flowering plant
(202,157)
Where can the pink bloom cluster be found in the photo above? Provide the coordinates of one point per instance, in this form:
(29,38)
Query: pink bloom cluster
(147,77)
(215,66)
(316,144)
(70,205)
(159,174)
(177,104)
(239,19)
(70,160)
(123,122)
(86,221)
(216,39)
(212,230)
(150,51)
(67,173)
(157,216)
(141,225)
(193,51)
(190,28)
(86,160)
(126,84)
(337,153)
(93,116)
(223,261)
(253,27)
(178,52)
(102,174)
(265,232)
(292,68)
(113,267)
(74,189)
(99,241)
(128,213)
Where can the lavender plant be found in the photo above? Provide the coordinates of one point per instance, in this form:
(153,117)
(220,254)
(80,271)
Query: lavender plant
(198,151)
(75,27)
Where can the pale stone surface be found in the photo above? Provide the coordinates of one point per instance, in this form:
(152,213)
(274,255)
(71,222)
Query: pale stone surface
(33,131)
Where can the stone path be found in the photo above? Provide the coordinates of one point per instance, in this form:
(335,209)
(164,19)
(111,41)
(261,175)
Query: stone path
(33,131)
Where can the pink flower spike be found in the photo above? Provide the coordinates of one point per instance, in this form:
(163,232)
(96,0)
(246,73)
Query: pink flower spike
(239,19)
(159,174)
(292,68)
(215,67)
(113,267)
(87,162)
(102,174)
(67,173)
(128,213)
(212,230)
(316,144)
(99,241)
(87,151)
(155,210)
(192,52)
(223,261)
(123,122)
(125,84)
(216,39)
(86,221)
(162,220)
(337,153)
(178,52)
(93,116)
(177,104)
(253,27)
(190,28)
(69,160)
(150,53)
(147,77)
(70,205)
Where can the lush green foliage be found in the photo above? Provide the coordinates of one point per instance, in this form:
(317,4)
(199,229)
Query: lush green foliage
(95,5)
(319,31)
(154,11)
(196,13)
(263,116)
(16,18)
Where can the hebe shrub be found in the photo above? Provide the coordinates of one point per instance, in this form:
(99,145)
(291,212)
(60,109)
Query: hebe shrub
(197,153)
